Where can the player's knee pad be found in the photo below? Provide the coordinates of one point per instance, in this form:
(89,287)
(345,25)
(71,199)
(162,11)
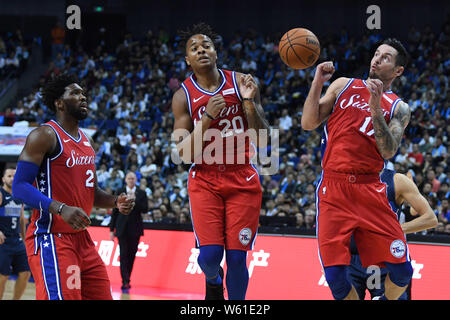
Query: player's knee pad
(400,273)
(209,259)
(338,282)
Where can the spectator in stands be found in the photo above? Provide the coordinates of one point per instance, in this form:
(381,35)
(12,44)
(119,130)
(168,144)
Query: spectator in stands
(12,63)
(300,220)
(176,195)
(249,65)
(182,217)
(435,183)
(60,61)
(52,71)
(114,181)
(439,149)
(157,215)
(102,175)
(402,157)
(444,191)
(415,156)
(426,143)
(285,120)
(444,211)
(447,228)
(440,175)
(58,35)
(288,185)
(440,228)
(270,208)
(310,218)
(149,168)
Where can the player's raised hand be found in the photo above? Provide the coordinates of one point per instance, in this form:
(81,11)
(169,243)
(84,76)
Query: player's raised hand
(410,176)
(375,87)
(215,105)
(324,71)
(247,86)
(125,203)
(75,217)
(2,238)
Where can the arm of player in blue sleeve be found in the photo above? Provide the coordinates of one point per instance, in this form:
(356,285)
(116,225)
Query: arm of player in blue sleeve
(23,188)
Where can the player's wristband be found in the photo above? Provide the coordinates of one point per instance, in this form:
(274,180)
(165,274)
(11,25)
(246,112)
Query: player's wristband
(23,189)
(60,208)
(249,99)
(209,116)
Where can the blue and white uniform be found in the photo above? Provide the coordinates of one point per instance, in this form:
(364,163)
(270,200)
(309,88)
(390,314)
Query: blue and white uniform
(13,255)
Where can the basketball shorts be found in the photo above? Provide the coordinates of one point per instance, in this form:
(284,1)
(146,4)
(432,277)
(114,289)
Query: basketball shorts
(225,202)
(357,204)
(66,266)
(13,256)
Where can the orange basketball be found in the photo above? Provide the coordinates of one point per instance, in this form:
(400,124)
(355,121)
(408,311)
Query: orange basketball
(299,48)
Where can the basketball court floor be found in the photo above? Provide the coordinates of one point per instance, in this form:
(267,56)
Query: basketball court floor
(135,293)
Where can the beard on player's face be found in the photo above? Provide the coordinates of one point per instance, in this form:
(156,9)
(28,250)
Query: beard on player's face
(373,75)
(74,102)
(74,110)
(384,76)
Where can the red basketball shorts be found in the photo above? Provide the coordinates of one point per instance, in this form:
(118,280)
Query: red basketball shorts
(67,267)
(225,205)
(358,204)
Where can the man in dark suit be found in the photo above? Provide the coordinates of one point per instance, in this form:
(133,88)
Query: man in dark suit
(129,228)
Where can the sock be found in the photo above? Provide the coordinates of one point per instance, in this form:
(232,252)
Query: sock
(209,261)
(237,274)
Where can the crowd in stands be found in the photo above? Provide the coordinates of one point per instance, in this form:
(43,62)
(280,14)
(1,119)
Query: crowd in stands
(130,91)
(14,54)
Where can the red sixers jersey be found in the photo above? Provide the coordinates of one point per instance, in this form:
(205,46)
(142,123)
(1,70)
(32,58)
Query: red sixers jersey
(348,143)
(68,177)
(228,143)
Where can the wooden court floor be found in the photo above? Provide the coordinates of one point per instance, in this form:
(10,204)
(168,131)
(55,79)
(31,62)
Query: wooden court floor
(136,293)
(29,294)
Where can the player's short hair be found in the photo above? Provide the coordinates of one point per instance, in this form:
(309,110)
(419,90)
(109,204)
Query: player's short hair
(8,167)
(402,56)
(199,28)
(54,89)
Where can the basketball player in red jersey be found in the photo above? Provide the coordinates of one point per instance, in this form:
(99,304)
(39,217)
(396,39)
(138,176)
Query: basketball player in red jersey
(364,124)
(224,188)
(56,176)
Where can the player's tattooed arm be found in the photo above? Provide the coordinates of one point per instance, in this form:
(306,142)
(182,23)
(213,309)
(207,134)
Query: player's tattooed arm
(389,137)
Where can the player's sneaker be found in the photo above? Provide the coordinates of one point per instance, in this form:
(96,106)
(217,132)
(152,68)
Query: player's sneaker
(126,288)
(215,292)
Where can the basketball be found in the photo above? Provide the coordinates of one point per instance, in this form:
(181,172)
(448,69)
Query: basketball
(299,48)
